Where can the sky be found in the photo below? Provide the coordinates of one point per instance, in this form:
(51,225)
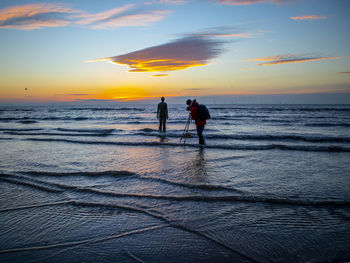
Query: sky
(225,51)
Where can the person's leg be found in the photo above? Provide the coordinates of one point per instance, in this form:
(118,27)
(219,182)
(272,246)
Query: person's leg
(200,129)
(160,124)
(164,128)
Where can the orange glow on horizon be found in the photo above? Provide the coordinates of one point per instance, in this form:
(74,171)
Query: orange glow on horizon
(110,96)
(124,94)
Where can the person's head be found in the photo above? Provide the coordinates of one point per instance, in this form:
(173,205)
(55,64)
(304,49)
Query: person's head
(162,99)
(188,102)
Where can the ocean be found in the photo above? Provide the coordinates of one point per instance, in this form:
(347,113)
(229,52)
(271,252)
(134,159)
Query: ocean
(101,184)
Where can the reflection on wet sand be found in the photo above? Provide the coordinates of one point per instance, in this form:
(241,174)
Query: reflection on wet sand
(162,138)
(194,169)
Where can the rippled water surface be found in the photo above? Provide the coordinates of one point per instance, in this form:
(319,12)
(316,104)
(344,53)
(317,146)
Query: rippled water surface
(100,184)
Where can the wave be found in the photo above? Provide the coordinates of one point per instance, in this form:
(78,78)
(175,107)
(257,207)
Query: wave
(243,137)
(58,134)
(328,124)
(155,122)
(107,109)
(20,129)
(306,109)
(80,118)
(5,139)
(307,148)
(286,137)
(89,174)
(127,174)
(237,117)
(27,122)
(209,187)
(32,119)
(130,109)
(254,119)
(140,121)
(283,109)
(11,180)
(325,109)
(16,109)
(227,198)
(227,108)
(89,109)
(248,198)
(95,130)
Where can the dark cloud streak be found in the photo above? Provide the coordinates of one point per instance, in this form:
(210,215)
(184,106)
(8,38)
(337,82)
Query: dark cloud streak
(345,72)
(286,59)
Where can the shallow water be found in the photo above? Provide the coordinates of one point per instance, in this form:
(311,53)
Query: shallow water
(100,184)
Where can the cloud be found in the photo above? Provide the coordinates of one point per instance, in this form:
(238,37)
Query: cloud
(86,19)
(224,32)
(189,51)
(35,16)
(160,75)
(194,89)
(249,2)
(167,2)
(308,17)
(346,72)
(285,59)
(124,16)
(173,2)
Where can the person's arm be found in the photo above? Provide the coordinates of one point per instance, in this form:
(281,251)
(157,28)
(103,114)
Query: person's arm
(193,113)
(158,112)
(166,111)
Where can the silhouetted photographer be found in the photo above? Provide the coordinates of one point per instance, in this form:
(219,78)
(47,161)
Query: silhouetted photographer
(199,113)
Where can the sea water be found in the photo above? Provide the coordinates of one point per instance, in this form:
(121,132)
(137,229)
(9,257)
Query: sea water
(101,184)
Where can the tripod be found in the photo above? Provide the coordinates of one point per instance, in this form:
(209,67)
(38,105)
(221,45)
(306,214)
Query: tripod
(185,131)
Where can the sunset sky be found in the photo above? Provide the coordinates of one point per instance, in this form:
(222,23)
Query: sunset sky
(141,50)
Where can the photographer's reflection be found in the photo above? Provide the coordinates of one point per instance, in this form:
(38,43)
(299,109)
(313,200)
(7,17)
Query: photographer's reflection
(195,168)
(162,138)
(200,160)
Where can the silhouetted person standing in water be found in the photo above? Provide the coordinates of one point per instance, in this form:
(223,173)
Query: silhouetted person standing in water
(162,114)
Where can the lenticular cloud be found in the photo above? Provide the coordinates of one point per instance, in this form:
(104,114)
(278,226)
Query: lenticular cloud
(176,55)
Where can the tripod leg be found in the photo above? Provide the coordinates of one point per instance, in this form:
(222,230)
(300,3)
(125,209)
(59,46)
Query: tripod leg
(183,136)
(187,127)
